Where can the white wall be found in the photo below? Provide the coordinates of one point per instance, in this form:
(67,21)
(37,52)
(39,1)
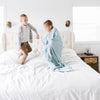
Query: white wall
(57,10)
(40,10)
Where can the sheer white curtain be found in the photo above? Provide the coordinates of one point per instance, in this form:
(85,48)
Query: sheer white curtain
(2,27)
(86,23)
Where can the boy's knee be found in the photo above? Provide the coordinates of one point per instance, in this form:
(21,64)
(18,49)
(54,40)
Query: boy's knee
(25,55)
(23,59)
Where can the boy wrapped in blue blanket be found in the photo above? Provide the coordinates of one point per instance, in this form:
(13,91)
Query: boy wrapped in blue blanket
(53,48)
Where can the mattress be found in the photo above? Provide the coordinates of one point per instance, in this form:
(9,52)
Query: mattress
(35,81)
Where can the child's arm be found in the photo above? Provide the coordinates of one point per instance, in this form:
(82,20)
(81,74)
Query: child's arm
(34,29)
(37,36)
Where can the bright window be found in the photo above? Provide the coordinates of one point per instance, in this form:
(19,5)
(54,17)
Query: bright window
(1,20)
(1,26)
(86,23)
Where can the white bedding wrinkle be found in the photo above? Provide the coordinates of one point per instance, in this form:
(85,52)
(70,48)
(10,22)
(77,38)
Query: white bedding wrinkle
(34,81)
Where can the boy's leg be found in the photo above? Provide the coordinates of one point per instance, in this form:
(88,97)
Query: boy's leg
(20,54)
(24,56)
(18,57)
(25,49)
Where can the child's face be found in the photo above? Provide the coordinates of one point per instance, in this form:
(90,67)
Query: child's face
(48,28)
(24,20)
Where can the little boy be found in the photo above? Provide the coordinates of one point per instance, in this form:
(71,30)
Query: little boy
(25,36)
(53,48)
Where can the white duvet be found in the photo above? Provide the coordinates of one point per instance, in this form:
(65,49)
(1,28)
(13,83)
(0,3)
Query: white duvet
(34,81)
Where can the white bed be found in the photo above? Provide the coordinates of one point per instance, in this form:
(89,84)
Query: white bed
(34,81)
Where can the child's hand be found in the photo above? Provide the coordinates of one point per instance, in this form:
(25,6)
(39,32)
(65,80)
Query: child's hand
(37,37)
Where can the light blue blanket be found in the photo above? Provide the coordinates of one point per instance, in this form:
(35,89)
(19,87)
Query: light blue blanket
(53,51)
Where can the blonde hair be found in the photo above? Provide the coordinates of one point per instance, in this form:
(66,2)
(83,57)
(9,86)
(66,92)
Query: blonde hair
(48,22)
(23,15)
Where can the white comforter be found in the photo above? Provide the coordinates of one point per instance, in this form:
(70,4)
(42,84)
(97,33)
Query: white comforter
(34,81)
